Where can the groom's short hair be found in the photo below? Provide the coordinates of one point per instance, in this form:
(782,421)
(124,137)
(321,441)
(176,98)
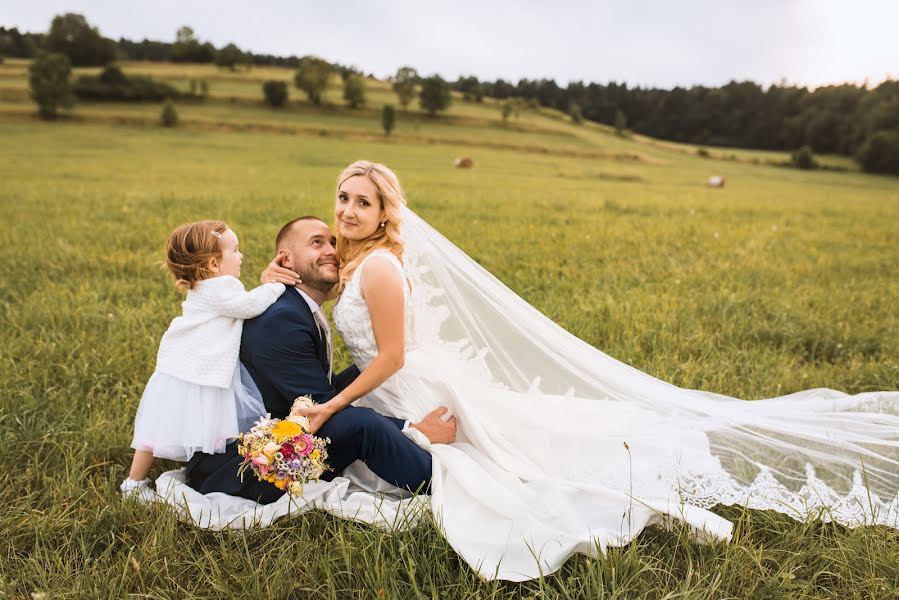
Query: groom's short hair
(285,231)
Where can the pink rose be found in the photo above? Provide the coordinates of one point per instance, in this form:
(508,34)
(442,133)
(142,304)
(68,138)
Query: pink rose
(303,444)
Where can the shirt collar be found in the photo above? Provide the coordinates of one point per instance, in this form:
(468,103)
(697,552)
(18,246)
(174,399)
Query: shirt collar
(313,305)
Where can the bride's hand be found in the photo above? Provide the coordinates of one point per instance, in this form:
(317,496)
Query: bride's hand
(318,414)
(275,273)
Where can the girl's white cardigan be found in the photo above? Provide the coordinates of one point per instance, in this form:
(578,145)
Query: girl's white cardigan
(202,345)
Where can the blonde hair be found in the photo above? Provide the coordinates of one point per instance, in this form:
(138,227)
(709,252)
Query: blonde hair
(190,250)
(390,195)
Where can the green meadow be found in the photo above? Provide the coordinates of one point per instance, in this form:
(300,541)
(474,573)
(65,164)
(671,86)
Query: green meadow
(781,281)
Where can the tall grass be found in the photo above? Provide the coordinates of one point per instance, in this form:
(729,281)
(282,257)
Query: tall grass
(782,281)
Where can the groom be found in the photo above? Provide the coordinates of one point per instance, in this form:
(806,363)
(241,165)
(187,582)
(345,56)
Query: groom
(286,351)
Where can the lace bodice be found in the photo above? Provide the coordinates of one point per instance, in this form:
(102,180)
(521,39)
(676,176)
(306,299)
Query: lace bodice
(353,321)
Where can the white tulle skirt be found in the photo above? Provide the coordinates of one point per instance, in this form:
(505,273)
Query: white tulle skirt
(177,418)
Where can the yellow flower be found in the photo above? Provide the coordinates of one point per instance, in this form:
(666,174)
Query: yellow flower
(316,454)
(286,430)
(281,484)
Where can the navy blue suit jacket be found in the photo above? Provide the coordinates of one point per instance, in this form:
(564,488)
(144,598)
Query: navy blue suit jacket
(285,354)
(287,357)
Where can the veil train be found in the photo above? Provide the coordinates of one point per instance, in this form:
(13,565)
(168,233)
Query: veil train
(818,451)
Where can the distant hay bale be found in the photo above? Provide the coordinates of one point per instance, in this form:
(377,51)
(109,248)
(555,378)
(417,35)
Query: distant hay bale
(463,162)
(716,181)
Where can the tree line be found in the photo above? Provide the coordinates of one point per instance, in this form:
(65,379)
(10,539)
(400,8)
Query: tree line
(840,119)
(72,35)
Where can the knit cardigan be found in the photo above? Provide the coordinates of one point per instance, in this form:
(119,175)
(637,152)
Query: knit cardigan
(201,346)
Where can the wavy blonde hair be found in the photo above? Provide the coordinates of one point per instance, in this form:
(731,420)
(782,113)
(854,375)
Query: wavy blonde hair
(190,250)
(392,200)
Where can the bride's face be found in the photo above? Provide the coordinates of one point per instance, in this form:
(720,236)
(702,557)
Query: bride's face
(358,212)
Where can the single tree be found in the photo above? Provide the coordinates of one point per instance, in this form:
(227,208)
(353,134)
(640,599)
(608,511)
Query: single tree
(229,56)
(275,92)
(506,109)
(187,48)
(48,76)
(70,34)
(354,91)
(434,95)
(312,77)
(185,35)
(113,75)
(168,117)
(388,118)
(804,158)
(204,88)
(404,85)
(620,122)
(347,72)
(574,111)
(880,152)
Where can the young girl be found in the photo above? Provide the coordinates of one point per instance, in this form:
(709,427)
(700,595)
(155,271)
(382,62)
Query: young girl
(200,396)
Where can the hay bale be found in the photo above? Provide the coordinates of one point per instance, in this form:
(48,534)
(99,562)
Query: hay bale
(716,181)
(463,162)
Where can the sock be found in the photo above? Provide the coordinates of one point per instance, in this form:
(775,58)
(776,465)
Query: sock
(131,484)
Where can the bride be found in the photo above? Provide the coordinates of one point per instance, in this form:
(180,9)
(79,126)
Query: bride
(561,448)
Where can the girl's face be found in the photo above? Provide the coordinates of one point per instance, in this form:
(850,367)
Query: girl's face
(231,256)
(358,211)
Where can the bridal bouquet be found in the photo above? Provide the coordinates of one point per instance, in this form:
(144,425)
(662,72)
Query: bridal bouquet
(282,452)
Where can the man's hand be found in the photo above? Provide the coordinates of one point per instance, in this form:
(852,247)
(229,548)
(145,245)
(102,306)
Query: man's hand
(317,414)
(275,273)
(435,428)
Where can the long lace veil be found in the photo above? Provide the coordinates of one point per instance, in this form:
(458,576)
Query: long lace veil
(816,451)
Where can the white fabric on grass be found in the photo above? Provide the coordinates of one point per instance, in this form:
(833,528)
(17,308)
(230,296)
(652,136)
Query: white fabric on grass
(563,449)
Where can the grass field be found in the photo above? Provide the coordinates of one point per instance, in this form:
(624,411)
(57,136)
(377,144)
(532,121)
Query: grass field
(784,280)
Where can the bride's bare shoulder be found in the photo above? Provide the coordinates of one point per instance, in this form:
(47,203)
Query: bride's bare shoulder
(380,260)
(380,269)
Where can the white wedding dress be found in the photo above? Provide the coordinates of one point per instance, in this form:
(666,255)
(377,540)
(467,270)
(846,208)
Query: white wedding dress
(563,449)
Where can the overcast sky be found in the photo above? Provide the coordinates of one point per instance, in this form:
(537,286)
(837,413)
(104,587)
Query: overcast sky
(660,43)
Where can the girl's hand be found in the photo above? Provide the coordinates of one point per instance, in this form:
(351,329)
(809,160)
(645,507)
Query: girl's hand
(275,273)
